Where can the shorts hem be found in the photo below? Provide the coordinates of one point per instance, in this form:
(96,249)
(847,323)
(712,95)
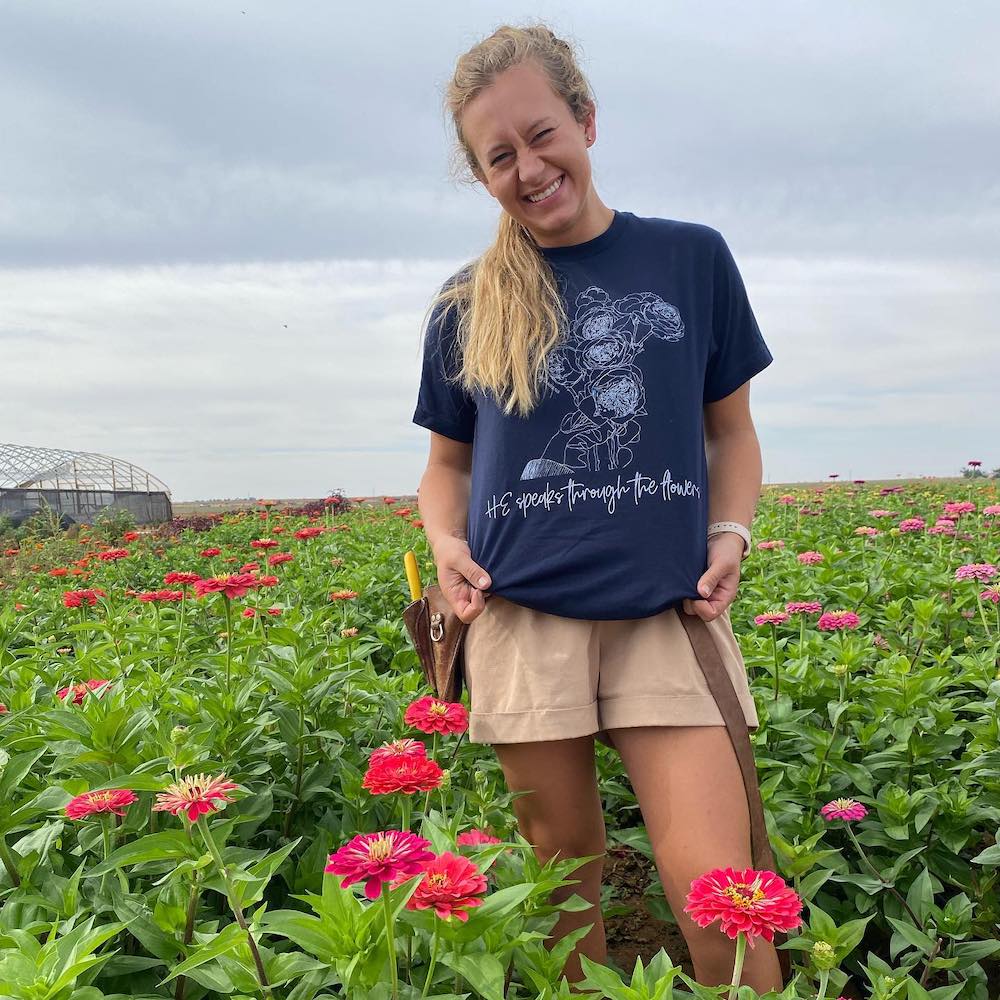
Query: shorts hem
(680,710)
(539,724)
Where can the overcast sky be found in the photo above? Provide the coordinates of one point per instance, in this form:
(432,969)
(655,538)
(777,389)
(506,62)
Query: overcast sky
(220,224)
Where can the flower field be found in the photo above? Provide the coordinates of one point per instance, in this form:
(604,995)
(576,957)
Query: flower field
(221,773)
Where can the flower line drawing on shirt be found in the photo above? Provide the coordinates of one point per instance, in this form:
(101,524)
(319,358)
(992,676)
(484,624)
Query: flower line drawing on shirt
(596,365)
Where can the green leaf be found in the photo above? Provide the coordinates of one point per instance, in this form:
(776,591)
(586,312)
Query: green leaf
(164,846)
(912,935)
(482,970)
(225,941)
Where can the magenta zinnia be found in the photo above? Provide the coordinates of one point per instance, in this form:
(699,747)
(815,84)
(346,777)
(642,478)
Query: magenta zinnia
(831,621)
(432,715)
(380,857)
(195,796)
(758,903)
(113,800)
(450,885)
(845,809)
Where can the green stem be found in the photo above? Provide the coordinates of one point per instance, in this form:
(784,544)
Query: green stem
(430,968)
(405,818)
(741,947)
(390,940)
(180,631)
(8,863)
(864,857)
(824,975)
(234,904)
(774,650)
(229,639)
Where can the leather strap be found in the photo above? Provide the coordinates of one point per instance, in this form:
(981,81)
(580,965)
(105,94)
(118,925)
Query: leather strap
(721,685)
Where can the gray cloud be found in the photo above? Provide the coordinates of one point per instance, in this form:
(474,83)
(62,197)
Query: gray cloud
(181,181)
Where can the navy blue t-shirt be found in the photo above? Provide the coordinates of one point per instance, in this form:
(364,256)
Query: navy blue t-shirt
(595,506)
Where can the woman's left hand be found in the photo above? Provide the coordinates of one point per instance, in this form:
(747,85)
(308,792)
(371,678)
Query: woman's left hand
(719,583)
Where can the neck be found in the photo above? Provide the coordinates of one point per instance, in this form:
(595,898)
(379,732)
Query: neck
(593,220)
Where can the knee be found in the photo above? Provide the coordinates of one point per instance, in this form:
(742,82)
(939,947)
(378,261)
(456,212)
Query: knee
(549,841)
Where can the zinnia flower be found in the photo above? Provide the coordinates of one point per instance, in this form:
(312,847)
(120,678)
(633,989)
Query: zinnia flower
(208,553)
(983,572)
(235,585)
(379,857)
(832,620)
(161,596)
(263,543)
(308,532)
(113,800)
(431,715)
(342,595)
(771,618)
(195,796)
(810,558)
(130,536)
(758,903)
(79,691)
(76,598)
(279,557)
(397,750)
(450,885)
(801,607)
(845,809)
(181,578)
(3,709)
(112,554)
(475,836)
(406,775)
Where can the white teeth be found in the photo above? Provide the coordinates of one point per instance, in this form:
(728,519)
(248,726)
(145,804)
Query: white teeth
(551,189)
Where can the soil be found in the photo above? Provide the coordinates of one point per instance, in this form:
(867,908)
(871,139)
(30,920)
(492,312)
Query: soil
(638,932)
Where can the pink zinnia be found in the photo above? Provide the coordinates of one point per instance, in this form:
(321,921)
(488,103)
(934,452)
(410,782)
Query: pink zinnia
(992,510)
(233,586)
(431,715)
(990,594)
(771,618)
(3,709)
(397,750)
(111,801)
(474,837)
(79,691)
(450,885)
(406,775)
(161,596)
(263,543)
(911,524)
(802,607)
(810,558)
(959,507)
(845,809)
(758,903)
(195,796)
(833,620)
(181,578)
(270,581)
(983,572)
(777,544)
(380,857)
(866,529)
(308,532)
(279,557)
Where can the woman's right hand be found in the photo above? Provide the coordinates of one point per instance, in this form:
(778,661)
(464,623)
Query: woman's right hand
(458,577)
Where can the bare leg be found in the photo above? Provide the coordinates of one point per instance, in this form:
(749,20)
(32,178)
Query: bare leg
(563,814)
(691,794)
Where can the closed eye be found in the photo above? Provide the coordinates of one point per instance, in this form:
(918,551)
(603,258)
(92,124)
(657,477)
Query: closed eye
(497,159)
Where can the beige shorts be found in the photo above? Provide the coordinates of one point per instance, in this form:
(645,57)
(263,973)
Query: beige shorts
(535,676)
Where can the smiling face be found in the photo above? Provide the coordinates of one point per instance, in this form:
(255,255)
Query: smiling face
(525,140)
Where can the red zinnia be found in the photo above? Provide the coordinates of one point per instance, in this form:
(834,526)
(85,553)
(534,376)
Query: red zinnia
(755,902)
(208,553)
(235,585)
(406,775)
(450,885)
(113,800)
(181,578)
(111,554)
(308,532)
(79,691)
(130,536)
(195,796)
(379,857)
(3,709)
(279,557)
(474,836)
(58,571)
(161,596)
(263,543)
(76,598)
(431,715)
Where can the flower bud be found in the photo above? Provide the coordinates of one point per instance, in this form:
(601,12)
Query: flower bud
(823,956)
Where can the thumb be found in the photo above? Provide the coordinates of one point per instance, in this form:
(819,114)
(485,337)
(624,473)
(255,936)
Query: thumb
(707,583)
(477,576)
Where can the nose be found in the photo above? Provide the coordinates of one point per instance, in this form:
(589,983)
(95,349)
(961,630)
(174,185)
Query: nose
(530,167)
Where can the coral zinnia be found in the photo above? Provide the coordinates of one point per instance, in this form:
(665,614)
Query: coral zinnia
(113,800)
(195,796)
(175,577)
(379,857)
(111,554)
(449,885)
(475,836)
(406,775)
(758,903)
(846,809)
(77,598)
(431,715)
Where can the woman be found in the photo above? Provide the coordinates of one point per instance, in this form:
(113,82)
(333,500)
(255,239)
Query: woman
(573,375)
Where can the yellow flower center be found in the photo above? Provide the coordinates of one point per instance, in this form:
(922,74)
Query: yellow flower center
(438,880)
(380,849)
(844,803)
(439,708)
(744,896)
(96,797)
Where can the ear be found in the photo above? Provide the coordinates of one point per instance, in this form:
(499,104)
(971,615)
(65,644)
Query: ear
(590,121)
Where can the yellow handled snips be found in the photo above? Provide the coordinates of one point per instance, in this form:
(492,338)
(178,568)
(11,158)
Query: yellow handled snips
(413,576)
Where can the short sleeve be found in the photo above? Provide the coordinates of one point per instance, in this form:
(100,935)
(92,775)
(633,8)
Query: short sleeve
(738,351)
(443,405)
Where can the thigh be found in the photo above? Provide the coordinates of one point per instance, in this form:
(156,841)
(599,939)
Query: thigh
(562,807)
(690,791)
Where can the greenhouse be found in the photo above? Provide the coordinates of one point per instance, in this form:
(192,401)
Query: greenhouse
(78,484)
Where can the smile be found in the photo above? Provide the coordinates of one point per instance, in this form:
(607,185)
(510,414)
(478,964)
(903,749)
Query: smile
(548,192)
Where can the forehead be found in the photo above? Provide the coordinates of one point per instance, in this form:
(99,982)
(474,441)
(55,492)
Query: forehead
(510,105)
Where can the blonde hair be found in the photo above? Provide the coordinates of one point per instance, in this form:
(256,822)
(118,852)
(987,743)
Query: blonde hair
(510,311)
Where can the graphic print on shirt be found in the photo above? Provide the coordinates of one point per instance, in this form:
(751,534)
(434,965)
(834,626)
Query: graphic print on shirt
(596,367)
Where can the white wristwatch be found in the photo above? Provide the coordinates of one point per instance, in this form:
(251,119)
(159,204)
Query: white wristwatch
(719,526)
